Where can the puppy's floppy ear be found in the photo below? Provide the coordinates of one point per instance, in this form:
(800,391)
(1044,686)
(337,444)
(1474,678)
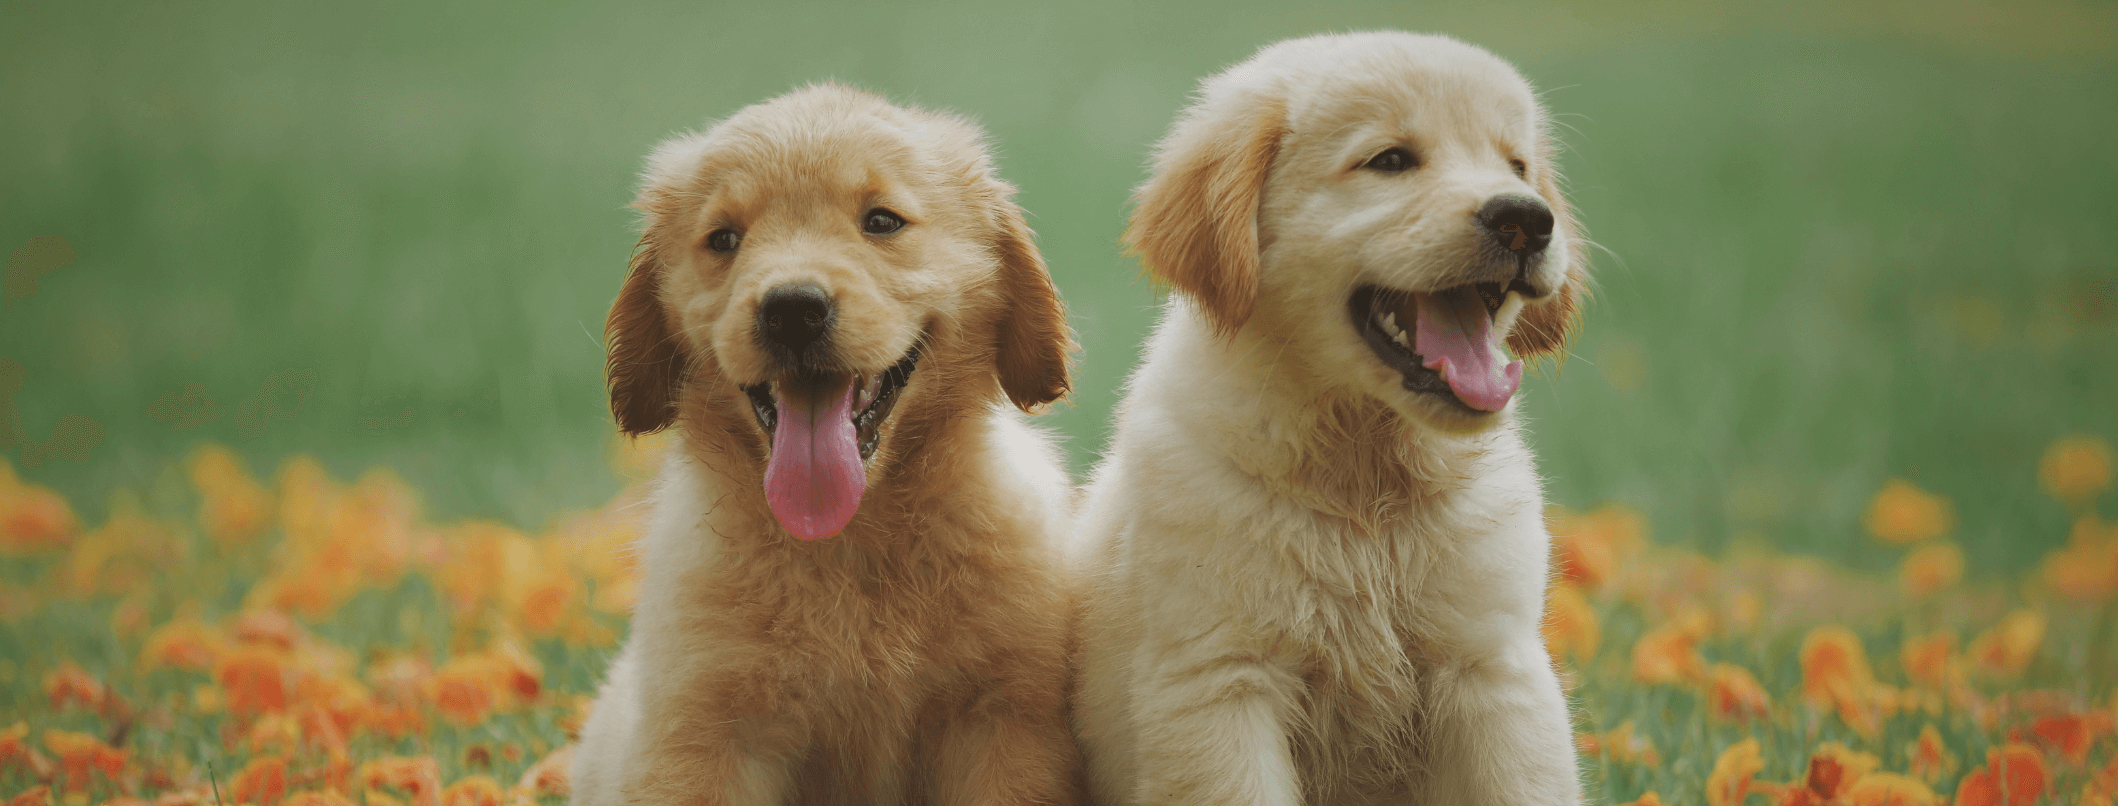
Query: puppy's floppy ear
(1544,329)
(1195,222)
(645,363)
(1031,357)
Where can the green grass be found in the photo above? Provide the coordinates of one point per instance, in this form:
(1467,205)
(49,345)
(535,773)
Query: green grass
(1834,250)
(1838,245)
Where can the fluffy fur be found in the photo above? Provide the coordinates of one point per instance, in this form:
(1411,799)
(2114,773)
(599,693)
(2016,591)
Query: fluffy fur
(919,655)
(1309,584)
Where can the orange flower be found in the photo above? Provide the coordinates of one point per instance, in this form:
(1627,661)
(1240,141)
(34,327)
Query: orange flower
(1570,624)
(470,687)
(335,706)
(599,545)
(418,777)
(262,782)
(266,628)
(70,683)
(2086,569)
(32,517)
(39,795)
(1620,745)
(2014,775)
(1589,546)
(1730,782)
(1930,758)
(233,508)
(1737,695)
(2007,648)
(1931,568)
(185,643)
(1835,674)
(464,695)
(476,790)
(1890,789)
(1926,658)
(1904,513)
(14,752)
(254,679)
(1834,767)
(396,721)
(2071,734)
(2075,469)
(79,754)
(1649,799)
(1668,654)
(318,797)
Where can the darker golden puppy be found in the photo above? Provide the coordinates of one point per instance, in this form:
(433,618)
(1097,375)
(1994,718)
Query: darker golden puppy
(851,588)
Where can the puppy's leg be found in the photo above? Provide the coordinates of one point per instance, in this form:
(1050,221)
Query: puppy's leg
(1499,733)
(1215,731)
(715,736)
(1001,755)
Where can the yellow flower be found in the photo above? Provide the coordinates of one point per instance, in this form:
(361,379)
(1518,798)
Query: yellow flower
(1730,783)
(1589,546)
(32,517)
(1570,626)
(1931,568)
(2076,469)
(1926,658)
(1737,695)
(1904,513)
(476,790)
(1930,758)
(1835,674)
(2086,569)
(1890,789)
(233,507)
(1668,654)
(2007,648)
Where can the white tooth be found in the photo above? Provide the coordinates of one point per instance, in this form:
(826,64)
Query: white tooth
(1404,340)
(1390,321)
(1511,307)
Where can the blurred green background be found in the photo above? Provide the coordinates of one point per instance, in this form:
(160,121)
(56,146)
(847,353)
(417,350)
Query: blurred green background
(1840,244)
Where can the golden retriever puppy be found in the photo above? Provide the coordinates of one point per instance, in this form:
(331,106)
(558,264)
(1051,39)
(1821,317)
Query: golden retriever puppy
(1317,547)
(851,579)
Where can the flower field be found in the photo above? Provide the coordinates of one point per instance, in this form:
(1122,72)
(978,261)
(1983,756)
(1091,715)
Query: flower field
(229,637)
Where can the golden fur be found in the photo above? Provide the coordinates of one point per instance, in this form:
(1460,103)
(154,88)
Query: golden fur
(1309,584)
(919,655)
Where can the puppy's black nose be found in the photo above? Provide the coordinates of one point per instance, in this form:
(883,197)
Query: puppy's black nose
(1520,223)
(794,316)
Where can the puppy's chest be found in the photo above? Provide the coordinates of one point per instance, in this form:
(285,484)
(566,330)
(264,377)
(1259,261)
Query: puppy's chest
(1375,625)
(868,624)
(1372,616)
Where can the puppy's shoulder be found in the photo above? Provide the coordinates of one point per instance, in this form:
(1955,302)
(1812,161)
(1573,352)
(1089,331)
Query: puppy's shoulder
(678,536)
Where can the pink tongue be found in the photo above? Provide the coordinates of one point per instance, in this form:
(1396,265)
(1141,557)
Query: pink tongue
(1455,337)
(815,478)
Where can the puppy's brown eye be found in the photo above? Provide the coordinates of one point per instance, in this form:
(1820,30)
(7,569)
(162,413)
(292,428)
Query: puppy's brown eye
(1522,169)
(881,222)
(1391,161)
(724,240)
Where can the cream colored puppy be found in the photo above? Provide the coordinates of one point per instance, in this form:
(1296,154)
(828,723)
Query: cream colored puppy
(1317,547)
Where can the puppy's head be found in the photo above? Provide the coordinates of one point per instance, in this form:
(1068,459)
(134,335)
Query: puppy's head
(819,274)
(1385,205)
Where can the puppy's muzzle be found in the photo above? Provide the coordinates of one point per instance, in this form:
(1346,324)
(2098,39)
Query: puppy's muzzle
(1521,224)
(794,323)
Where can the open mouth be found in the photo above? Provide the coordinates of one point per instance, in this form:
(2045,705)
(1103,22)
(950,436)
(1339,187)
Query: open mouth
(1446,343)
(824,428)
(871,403)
